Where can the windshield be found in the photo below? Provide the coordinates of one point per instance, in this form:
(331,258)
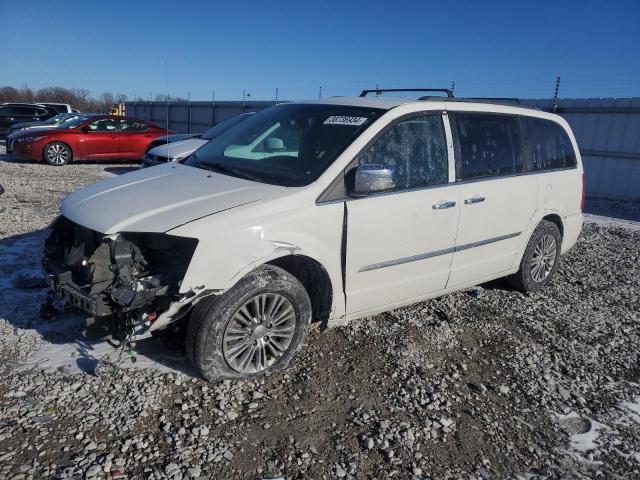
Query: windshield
(56,119)
(213,132)
(288,145)
(73,122)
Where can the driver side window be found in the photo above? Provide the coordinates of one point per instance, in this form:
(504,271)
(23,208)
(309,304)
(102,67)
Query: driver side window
(416,148)
(104,125)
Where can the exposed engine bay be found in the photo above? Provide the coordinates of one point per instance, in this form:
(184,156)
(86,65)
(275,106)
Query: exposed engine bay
(124,279)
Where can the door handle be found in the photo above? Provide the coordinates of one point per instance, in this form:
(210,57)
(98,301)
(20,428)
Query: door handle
(443,205)
(474,199)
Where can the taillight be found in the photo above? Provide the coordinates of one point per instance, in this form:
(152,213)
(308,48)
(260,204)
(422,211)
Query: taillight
(583,191)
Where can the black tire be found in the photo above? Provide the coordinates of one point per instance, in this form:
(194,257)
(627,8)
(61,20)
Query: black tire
(523,279)
(57,154)
(210,317)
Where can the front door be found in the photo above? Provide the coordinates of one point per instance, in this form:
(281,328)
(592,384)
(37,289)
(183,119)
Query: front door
(497,200)
(100,139)
(400,242)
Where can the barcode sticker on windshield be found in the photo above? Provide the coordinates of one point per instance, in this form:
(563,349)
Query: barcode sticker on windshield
(341,120)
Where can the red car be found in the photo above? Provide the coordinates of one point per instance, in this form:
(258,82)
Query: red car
(88,137)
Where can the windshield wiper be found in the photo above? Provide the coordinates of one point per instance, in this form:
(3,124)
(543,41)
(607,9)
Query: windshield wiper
(218,167)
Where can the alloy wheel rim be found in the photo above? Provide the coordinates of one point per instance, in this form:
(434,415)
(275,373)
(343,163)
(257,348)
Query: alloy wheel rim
(57,154)
(259,333)
(543,258)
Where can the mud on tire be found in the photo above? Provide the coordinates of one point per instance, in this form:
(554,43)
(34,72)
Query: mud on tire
(216,324)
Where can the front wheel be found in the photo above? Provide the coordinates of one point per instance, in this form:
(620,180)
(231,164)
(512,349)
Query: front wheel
(253,329)
(57,154)
(540,260)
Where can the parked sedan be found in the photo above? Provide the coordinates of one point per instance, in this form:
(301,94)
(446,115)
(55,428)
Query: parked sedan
(52,122)
(174,148)
(88,137)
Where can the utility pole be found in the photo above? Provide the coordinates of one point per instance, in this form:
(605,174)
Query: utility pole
(554,106)
(213,107)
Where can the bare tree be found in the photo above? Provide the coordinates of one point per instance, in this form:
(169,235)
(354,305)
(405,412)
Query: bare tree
(107,100)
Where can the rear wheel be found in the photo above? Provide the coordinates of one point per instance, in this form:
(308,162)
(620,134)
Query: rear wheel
(57,154)
(254,329)
(540,260)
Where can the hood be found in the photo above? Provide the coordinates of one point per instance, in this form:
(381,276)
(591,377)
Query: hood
(178,149)
(176,137)
(15,126)
(28,132)
(160,198)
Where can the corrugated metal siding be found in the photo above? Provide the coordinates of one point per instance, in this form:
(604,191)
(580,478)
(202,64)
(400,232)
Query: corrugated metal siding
(191,117)
(608,134)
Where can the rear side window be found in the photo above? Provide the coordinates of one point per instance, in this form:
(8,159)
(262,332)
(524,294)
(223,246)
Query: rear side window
(57,108)
(489,146)
(415,148)
(133,126)
(25,111)
(550,145)
(103,125)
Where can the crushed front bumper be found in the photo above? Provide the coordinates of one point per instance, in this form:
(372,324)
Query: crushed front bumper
(131,277)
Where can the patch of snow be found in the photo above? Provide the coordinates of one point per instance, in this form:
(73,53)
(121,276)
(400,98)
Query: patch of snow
(82,356)
(583,432)
(583,442)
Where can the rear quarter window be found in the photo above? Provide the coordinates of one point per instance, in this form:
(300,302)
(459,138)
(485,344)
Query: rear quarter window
(550,145)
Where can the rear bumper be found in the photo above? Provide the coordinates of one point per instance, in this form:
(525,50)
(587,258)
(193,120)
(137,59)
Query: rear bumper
(572,226)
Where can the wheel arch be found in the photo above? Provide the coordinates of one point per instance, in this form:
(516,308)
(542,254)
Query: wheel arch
(554,218)
(314,278)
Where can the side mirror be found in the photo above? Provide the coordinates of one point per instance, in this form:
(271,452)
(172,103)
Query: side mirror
(273,144)
(86,129)
(372,178)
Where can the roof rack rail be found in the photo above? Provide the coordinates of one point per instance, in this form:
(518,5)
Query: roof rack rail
(497,99)
(378,91)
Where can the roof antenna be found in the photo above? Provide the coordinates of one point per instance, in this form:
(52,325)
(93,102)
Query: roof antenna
(378,93)
(320,92)
(554,106)
(453,87)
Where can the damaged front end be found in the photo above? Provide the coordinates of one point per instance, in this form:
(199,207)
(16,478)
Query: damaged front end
(124,280)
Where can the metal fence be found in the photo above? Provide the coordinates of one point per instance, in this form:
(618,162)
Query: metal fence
(607,131)
(191,117)
(608,134)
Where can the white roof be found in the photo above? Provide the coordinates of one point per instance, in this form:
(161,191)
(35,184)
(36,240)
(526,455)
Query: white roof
(452,104)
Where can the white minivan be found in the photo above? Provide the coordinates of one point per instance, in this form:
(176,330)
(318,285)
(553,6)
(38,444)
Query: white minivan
(320,211)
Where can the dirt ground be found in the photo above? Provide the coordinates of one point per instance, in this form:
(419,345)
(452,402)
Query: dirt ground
(482,384)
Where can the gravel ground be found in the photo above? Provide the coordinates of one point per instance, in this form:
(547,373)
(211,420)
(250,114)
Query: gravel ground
(487,383)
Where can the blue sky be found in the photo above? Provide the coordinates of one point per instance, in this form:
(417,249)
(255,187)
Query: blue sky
(490,48)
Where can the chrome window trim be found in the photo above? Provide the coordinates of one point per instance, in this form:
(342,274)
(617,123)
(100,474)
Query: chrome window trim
(436,253)
(521,174)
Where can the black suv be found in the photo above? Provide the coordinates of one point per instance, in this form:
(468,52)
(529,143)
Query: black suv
(11,113)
